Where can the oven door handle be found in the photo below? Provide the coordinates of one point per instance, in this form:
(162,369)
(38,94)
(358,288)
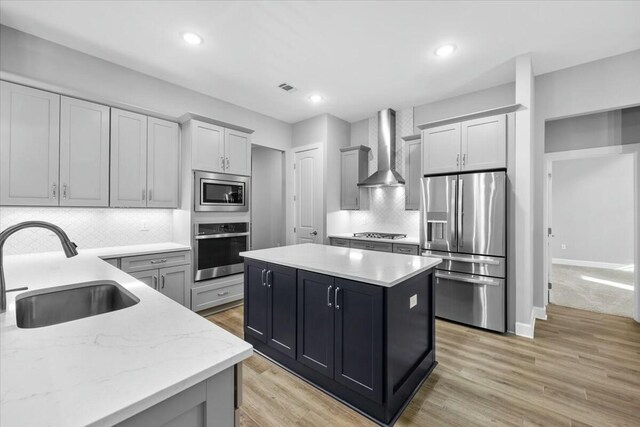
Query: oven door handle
(220,236)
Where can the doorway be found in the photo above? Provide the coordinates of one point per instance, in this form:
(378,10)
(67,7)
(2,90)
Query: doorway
(308,194)
(267,198)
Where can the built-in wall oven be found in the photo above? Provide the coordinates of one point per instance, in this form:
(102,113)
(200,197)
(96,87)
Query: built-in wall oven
(217,247)
(219,192)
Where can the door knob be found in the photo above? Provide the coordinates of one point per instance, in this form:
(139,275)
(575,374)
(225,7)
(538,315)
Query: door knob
(314,233)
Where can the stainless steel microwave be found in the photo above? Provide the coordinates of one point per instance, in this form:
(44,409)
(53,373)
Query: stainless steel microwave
(218,192)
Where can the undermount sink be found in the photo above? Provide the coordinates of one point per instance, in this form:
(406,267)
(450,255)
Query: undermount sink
(61,304)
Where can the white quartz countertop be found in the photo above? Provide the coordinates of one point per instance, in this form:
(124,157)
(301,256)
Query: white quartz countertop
(409,240)
(377,268)
(103,369)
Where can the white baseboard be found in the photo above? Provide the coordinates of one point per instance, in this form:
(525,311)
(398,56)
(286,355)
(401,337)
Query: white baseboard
(540,313)
(582,263)
(527,329)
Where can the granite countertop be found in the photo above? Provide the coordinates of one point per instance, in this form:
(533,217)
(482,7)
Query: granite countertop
(409,240)
(103,369)
(377,268)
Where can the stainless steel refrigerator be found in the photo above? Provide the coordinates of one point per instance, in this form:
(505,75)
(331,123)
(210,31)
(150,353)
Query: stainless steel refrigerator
(463,221)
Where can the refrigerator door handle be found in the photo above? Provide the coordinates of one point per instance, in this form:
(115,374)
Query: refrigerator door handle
(452,219)
(457,278)
(460,212)
(469,260)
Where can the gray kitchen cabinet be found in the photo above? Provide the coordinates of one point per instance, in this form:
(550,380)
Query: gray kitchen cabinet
(237,152)
(334,241)
(212,293)
(412,173)
(484,143)
(84,153)
(372,246)
(173,282)
(128,159)
(149,278)
(441,149)
(354,167)
(29,146)
(399,248)
(207,146)
(163,163)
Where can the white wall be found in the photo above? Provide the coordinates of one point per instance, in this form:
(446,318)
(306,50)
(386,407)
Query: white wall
(608,84)
(88,228)
(592,204)
(29,59)
(267,197)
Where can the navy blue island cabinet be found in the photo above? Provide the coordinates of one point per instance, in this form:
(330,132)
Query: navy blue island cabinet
(369,346)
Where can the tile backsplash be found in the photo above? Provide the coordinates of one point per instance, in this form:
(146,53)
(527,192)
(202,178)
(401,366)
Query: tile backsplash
(88,228)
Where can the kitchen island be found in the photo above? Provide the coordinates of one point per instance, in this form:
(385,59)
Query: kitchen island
(357,324)
(152,363)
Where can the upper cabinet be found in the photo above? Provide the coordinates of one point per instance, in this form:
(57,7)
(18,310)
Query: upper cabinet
(128,159)
(354,167)
(84,153)
(218,149)
(163,153)
(471,145)
(412,173)
(29,146)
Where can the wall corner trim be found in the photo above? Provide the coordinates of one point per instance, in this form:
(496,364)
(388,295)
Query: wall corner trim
(527,330)
(540,313)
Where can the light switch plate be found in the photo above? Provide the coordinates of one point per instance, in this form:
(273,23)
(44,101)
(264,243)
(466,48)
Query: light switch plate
(413,301)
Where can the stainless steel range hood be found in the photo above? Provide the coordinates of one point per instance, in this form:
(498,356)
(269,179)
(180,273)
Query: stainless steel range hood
(386,175)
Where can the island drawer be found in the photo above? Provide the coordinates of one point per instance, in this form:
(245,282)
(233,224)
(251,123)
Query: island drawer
(339,242)
(372,246)
(160,260)
(221,292)
(400,248)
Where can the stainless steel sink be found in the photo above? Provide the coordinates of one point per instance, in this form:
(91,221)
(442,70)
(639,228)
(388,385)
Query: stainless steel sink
(61,304)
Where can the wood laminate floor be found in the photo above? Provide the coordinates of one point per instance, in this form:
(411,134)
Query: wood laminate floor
(582,369)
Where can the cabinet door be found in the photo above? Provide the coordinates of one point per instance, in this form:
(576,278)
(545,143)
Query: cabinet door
(358,337)
(281,283)
(149,278)
(255,299)
(29,146)
(441,149)
(84,153)
(128,159)
(349,191)
(412,174)
(484,143)
(315,321)
(207,147)
(237,148)
(173,281)
(163,160)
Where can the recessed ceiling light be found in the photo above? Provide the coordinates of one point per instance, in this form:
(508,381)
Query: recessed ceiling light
(315,98)
(192,38)
(445,50)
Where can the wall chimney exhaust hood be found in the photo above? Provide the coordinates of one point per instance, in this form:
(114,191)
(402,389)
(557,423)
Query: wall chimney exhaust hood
(386,175)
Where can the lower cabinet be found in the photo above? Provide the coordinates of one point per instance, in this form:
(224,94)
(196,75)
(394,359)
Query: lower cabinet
(171,281)
(270,305)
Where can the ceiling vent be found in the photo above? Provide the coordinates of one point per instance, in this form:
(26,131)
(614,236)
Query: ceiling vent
(287,87)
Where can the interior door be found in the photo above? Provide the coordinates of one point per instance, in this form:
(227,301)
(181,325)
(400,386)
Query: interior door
(163,157)
(281,284)
(549,213)
(128,159)
(84,153)
(29,146)
(481,213)
(308,187)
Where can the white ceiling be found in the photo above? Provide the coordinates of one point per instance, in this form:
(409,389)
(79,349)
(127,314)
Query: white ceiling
(361,56)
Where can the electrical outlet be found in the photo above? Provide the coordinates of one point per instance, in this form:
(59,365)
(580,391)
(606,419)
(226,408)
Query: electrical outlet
(563,246)
(413,301)
(145,226)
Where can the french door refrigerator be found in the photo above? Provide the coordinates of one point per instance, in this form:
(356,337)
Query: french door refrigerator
(463,221)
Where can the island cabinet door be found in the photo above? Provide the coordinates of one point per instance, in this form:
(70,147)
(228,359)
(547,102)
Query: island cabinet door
(359,337)
(255,299)
(281,284)
(315,321)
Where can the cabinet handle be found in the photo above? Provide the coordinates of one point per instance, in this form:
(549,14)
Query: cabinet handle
(155,282)
(464,159)
(159,261)
(222,163)
(356,201)
(335,298)
(54,190)
(264,281)
(228,164)
(149,195)
(144,192)
(163,281)
(269,278)
(329,296)
(64,192)
(221,294)
(458,160)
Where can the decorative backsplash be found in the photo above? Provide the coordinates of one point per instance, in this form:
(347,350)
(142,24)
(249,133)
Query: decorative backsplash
(88,228)
(386,205)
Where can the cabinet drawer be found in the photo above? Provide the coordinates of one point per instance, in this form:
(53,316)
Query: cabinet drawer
(339,242)
(207,296)
(159,260)
(372,246)
(405,249)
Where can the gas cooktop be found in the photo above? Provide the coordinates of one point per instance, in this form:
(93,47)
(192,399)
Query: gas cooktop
(373,235)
